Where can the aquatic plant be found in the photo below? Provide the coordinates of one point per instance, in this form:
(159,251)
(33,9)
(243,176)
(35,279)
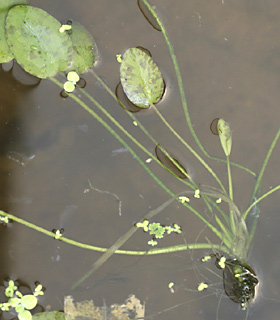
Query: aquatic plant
(19,302)
(69,48)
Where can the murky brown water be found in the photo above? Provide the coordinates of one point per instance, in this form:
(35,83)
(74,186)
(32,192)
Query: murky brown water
(50,148)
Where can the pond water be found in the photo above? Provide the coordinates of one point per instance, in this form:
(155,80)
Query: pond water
(229,55)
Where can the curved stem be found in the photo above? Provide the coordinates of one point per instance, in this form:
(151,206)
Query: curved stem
(192,185)
(182,92)
(117,124)
(244,215)
(142,163)
(266,159)
(206,166)
(181,247)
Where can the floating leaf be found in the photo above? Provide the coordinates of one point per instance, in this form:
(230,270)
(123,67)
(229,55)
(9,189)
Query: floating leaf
(86,52)
(34,39)
(170,163)
(5,5)
(24,315)
(225,136)
(29,301)
(141,79)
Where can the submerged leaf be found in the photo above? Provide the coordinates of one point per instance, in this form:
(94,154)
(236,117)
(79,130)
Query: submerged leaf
(85,48)
(5,5)
(141,78)
(34,39)
(225,136)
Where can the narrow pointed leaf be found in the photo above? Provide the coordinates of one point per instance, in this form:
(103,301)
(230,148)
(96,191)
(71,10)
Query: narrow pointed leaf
(141,78)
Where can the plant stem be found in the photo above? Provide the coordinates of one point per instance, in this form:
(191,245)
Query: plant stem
(182,92)
(124,252)
(142,163)
(116,123)
(206,166)
(266,159)
(230,190)
(121,241)
(244,215)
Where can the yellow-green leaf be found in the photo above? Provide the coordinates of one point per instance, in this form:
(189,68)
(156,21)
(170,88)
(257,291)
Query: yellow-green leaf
(141,78)
(35,41)
(5,5)
(85,48)
(225,136)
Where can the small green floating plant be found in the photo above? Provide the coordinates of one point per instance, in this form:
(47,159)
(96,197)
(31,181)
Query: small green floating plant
(20,303)
(50,50)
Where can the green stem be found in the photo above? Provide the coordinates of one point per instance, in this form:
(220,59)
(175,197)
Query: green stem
(230,190)
(181,247)
(120,242)
(143,164)
(244,215)
(192,185)
(182,92)
(116,123)
(233,221)
(190,149)
(114,133)
(266,159)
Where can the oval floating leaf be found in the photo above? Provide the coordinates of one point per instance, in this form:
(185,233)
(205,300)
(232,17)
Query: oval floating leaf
(34,39)
(170,163)
(5,6)
(141,79)
(85,48)
(28,301)
(24,314)
(225,136)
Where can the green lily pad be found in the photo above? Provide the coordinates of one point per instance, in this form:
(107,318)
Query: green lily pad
(141,78)
(5,5)
(85,48)
(35,41)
